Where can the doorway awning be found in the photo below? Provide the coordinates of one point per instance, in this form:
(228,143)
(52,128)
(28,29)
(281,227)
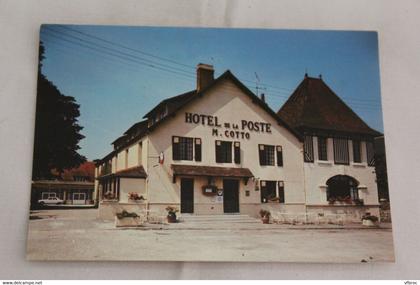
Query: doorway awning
(133,172)
(210,171)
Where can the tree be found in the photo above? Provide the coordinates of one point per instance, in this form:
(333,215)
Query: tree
(57,132)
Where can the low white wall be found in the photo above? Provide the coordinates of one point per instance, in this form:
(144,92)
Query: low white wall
(108,209)
(128,185)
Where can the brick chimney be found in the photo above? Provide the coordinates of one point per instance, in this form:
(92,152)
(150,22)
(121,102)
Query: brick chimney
(205,75)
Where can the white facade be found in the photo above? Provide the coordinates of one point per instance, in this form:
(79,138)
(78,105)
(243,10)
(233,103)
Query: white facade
(320,171)
(229,104)
(304,184)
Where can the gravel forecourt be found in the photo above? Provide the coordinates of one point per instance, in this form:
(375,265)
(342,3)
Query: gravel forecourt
(77,234)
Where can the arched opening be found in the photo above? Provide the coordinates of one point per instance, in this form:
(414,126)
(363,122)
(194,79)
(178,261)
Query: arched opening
(342,188)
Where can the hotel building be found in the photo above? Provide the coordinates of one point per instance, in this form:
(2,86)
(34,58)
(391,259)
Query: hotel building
(220,149)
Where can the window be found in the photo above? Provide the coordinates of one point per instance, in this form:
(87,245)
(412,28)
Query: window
(266,154)
(281,191)
(322,148)
(237,152)
(370,154)
(357,157)
(182,148)
(342,188)
(197,149)
(279,155)
(269,192)
(79,196)
(223,152)
(47,195)
(341,151)
(308,149)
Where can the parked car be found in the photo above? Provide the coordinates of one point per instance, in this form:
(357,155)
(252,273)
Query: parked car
(51,201)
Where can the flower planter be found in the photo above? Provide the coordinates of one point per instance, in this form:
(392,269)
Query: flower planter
(369,223)
(135,201)
(265,220)
(128,222)
(171,218)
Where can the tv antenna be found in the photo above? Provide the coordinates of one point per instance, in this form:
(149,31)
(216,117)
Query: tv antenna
(257,84)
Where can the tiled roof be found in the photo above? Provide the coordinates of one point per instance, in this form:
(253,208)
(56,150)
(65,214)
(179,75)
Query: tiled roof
(133,172)
(173,102)
(196,170)
(137,127)
(182,100)
(60,184)
(314,106)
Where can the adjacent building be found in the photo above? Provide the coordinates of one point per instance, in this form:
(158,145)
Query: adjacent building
(73,186)
(338,160)
(220,149)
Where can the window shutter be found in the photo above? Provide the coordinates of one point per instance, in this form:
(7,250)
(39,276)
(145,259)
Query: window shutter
(219,152)
(281,191)
(175,148)
(308,149)
(263,187)
(197,149)
(341,151)
(237,152)
(279,155)
(262,154)
(370,152)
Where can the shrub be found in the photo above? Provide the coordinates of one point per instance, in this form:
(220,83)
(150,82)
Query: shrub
(370,217)
(135,196)
(264,213)
(125,214)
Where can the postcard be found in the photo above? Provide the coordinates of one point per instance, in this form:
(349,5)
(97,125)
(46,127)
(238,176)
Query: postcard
(209,144)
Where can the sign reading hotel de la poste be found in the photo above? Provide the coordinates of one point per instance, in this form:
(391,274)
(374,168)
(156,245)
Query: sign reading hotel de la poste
(229,130)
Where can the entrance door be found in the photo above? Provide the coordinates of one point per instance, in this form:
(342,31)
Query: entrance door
(230,196)
(187,195)
(79,198)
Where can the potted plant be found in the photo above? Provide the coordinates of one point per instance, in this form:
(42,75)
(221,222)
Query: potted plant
(134,196)
(369,220)
(171,214)
(265,216)
(127,219)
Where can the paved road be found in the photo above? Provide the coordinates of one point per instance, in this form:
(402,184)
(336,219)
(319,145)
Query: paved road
(78,235)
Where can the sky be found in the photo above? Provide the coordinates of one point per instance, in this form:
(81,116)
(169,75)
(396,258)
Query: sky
(118,73)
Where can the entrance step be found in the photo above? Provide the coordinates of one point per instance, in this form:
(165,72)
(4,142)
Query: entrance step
(227,218)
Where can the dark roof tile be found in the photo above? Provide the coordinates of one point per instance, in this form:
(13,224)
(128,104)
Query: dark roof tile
(314,106)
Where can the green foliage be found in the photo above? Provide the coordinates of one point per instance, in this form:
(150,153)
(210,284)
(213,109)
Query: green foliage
(264,213)
(370,217)
(125,214)
(57,132)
